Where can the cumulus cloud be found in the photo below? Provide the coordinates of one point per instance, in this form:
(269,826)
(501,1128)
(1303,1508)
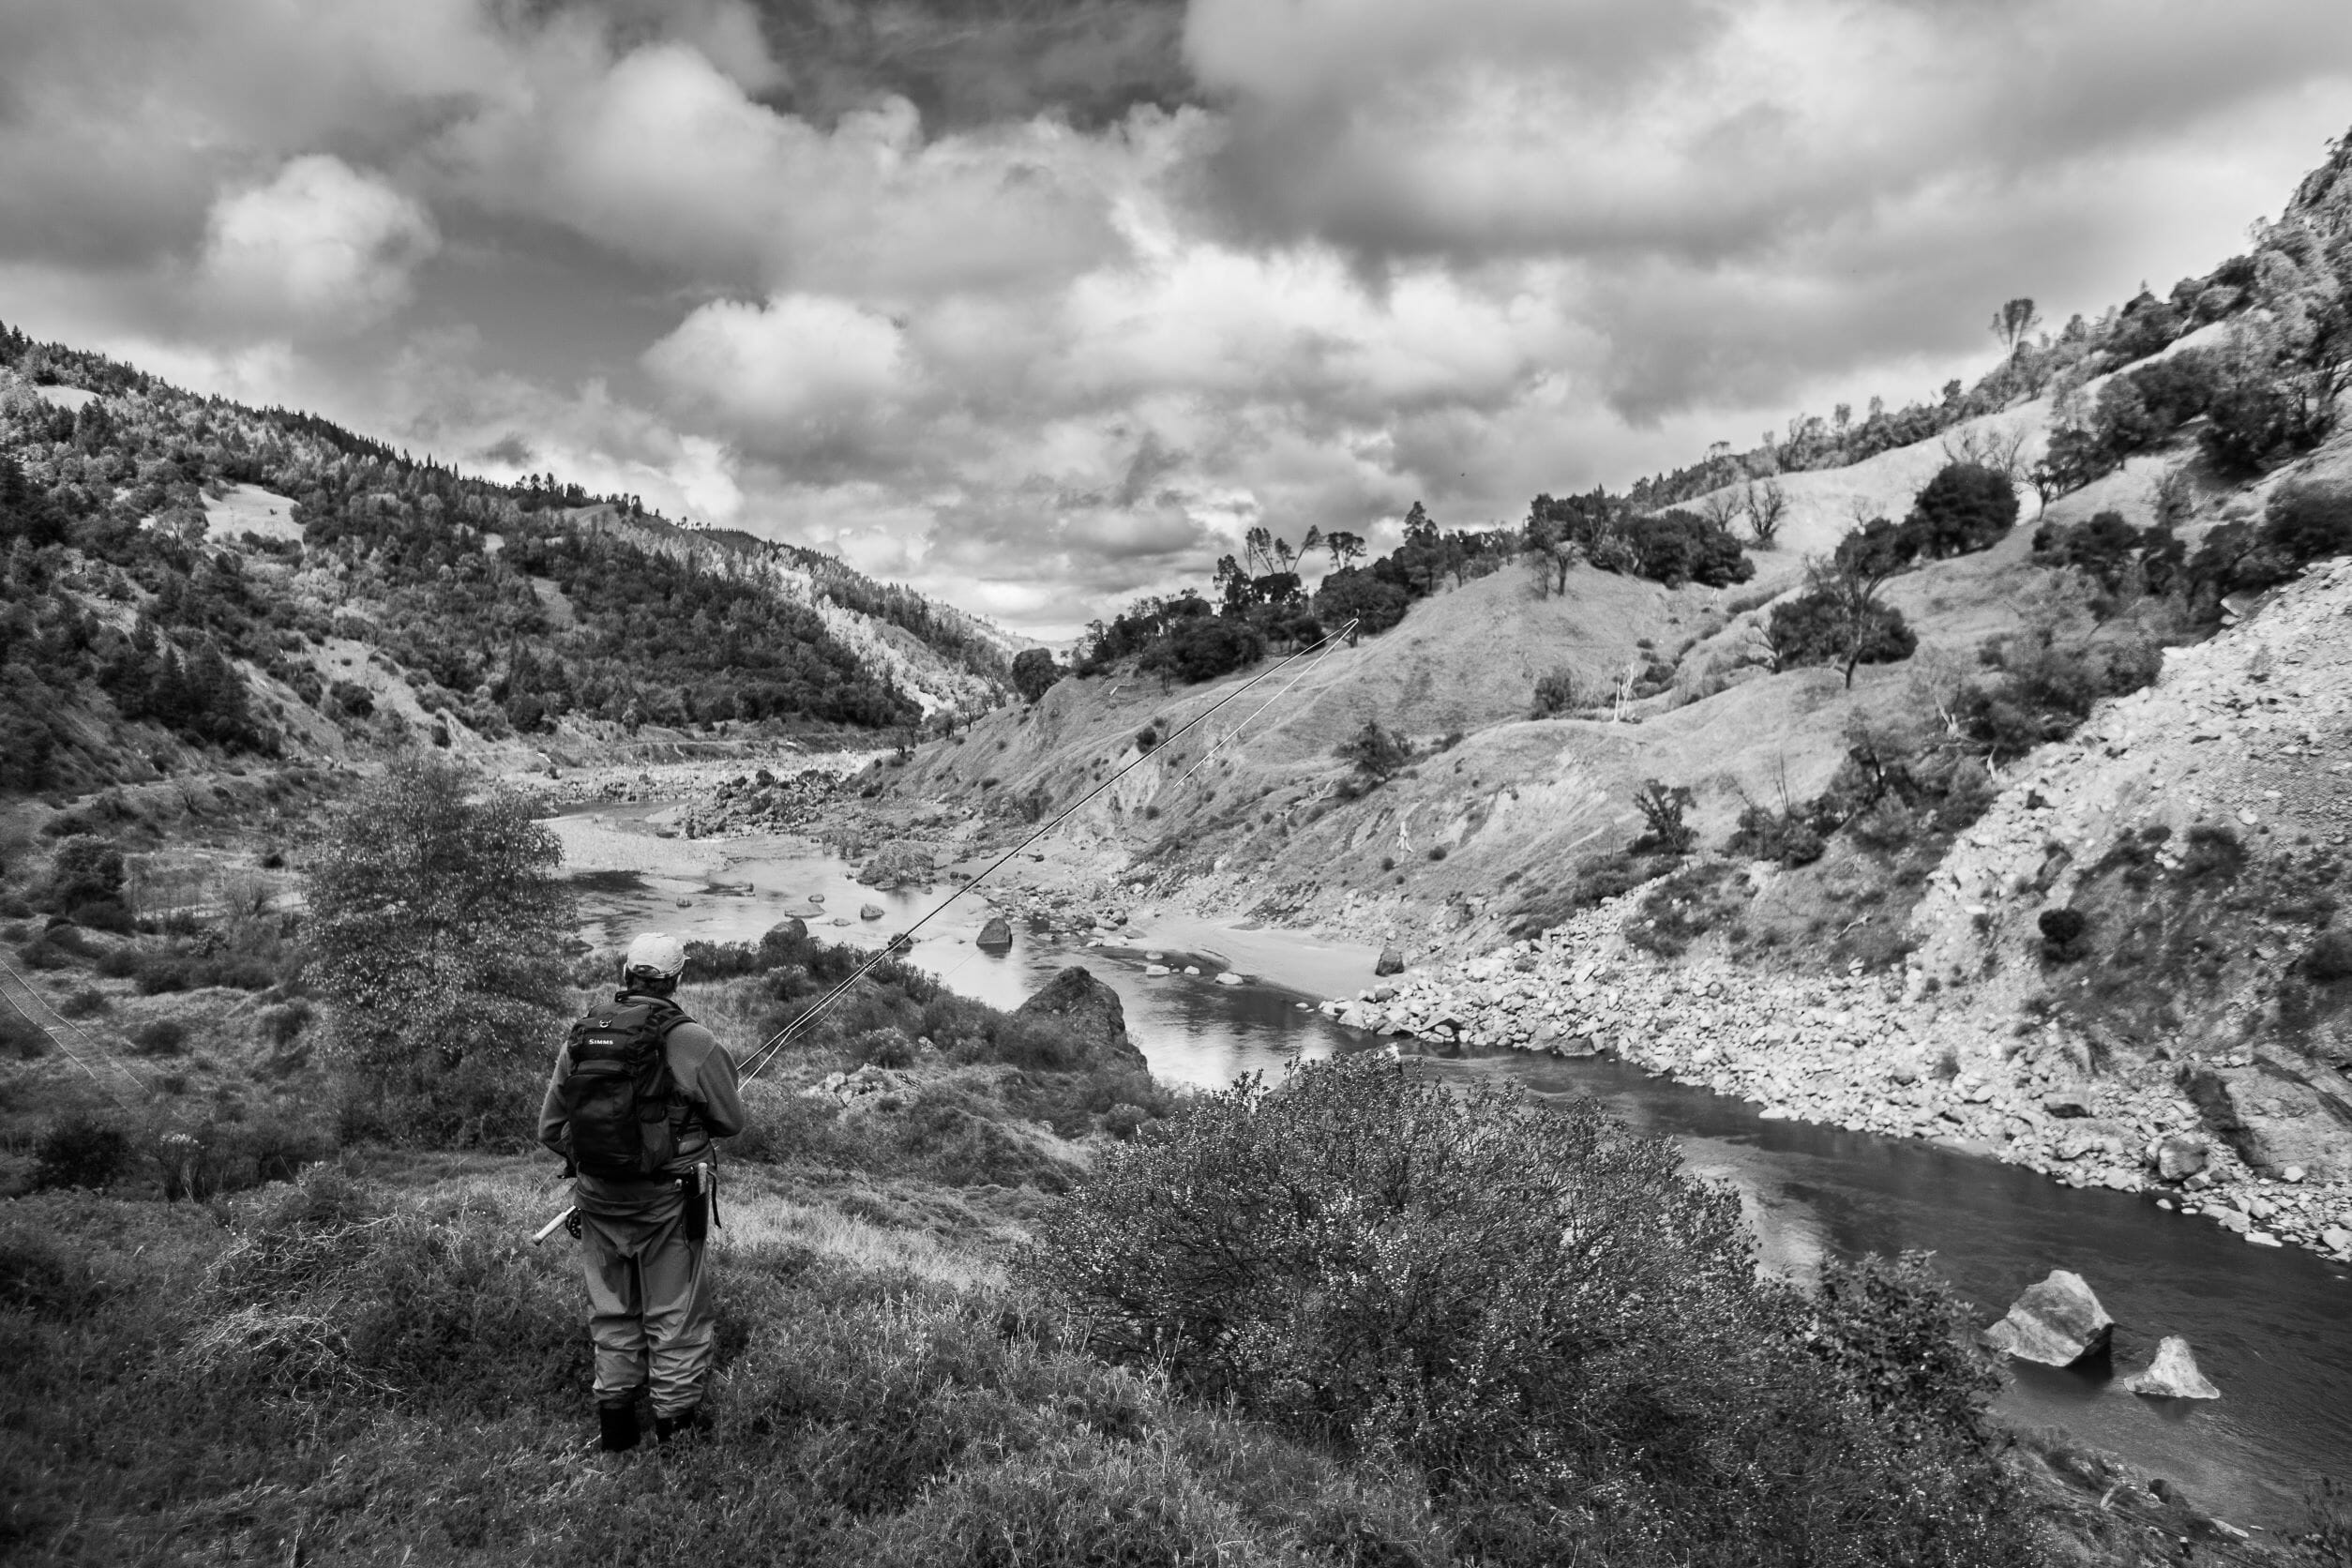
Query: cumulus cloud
(1040,306)
(801,376)
(323,245)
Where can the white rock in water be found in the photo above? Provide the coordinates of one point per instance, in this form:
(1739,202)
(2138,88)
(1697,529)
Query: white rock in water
(1192,969)
(1229,978)
(2173,1375)
(1155,970)
(2057,1323)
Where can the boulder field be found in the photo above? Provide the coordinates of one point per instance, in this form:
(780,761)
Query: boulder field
(1853,1052)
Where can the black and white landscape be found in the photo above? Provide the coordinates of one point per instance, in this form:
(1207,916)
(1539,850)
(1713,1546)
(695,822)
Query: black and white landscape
(1484,782)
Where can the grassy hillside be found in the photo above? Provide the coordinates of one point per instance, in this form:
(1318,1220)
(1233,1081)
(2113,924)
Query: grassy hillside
(188,581)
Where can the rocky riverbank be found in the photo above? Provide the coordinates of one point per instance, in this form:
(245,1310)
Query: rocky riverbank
(1851,1051)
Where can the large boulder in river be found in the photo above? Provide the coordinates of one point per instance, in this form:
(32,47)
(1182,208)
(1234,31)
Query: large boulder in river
(2275,1121)
(871,912)
(996,936)
(2173,1375)
(1090,1011)
(2057,1322)
(1391,961)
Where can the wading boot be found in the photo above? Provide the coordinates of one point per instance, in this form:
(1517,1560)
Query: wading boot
(617,1426)
(685,1423)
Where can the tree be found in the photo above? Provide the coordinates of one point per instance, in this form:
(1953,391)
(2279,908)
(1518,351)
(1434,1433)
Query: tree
(1839,619)
(1035,673)
(1964,507)
(1766,506)
(2012,322)
(1352,594)
(436,921)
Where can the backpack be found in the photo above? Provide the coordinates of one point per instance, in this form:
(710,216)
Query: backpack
(618,1095)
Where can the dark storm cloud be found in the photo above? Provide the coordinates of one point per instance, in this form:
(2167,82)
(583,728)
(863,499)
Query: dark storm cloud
(968,63)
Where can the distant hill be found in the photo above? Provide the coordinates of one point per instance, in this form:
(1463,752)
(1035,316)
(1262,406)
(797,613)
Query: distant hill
(188,577)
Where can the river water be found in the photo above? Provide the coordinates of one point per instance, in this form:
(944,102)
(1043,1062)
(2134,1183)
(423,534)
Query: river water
(2272,1328)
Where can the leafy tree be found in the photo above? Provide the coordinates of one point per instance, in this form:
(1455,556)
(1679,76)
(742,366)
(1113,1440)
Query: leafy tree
(1353,594)
(436,920)
(1035,673)
(1201,648)
(85,870)
(1840,618)
(1346,549)
(1964,507)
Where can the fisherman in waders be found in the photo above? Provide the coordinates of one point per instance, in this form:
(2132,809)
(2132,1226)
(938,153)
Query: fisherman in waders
(639,1093)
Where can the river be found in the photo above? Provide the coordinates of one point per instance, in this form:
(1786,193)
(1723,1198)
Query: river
(2272,1327)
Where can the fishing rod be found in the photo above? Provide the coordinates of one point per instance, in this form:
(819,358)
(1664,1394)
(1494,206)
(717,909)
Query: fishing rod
(759,1059)
(769,1050)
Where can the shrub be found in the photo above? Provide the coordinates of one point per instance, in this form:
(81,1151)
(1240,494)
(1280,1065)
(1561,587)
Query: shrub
(84,870)
(1534,1307)
(2328,959)
(21,1037)
(435,921)
(1684,907)
(2307,522)
(2211,851)
(1764,834)
(2064,934)
(1555,691)
(80,1151)
(1374,752)
(161,1037)
(2102,549)
(1665,810)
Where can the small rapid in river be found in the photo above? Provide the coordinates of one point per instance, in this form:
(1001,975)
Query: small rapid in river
(2273,1327)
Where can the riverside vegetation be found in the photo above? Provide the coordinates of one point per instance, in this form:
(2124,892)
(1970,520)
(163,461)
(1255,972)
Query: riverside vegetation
(989,1294)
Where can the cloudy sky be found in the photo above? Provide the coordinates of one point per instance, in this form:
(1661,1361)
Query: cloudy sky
(1036,304)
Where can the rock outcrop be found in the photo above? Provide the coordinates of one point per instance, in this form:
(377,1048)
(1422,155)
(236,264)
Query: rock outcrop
(2173,1375)
(2274,1122)
(996,936)
(2181,1156)
(1391,961)
(2057,1323)
(1091,1012)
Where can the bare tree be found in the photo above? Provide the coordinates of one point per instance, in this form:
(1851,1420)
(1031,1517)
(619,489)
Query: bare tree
(1989,446)
(1721,507)
(1766,506)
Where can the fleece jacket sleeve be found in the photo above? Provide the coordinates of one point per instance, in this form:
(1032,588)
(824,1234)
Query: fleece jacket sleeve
(710,1083)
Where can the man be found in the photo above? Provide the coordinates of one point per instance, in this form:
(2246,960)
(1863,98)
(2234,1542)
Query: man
(639,1090)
